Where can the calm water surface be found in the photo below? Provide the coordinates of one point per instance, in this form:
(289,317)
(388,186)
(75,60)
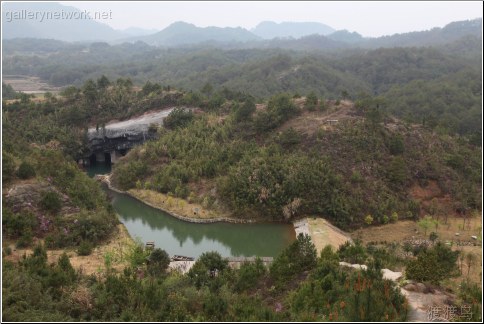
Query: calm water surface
(191,239)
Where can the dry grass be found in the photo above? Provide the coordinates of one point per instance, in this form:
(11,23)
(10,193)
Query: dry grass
(29,84)
(475,271)
(309,122)
(322,234)
(404,230)
(176,205)
(116,246)
(407,229)
(396,232)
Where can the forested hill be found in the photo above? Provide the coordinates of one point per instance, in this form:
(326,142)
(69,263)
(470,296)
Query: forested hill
(400,75)
(285,157)
(288,158)
(280,159)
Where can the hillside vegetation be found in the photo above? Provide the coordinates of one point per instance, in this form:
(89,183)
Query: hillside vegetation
(448,70)
(285,160)
(313,127)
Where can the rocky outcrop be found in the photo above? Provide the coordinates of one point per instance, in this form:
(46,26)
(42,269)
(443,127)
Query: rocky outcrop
(386,273)
(116,138)
(27,196)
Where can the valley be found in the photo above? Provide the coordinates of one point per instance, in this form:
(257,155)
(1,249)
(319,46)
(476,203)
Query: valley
(277,171)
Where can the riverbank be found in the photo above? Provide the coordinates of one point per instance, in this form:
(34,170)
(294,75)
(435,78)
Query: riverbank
(176,207)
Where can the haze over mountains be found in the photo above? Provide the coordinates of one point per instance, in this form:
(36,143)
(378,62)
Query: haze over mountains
(16,25)
(267,34)
(270,29)
(182,33)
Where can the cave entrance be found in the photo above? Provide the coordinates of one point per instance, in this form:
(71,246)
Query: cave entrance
(107,159)
(92,159)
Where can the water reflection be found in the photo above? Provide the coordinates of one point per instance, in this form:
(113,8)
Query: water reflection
(98,168)
(190,239)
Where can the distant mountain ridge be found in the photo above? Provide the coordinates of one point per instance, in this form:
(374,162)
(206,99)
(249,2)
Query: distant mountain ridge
(267,34)
(15,23)
(270,29)
(346,37)
(449,33)
(182,33)
(135,31)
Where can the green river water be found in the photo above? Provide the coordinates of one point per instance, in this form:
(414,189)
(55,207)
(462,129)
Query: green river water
(191,239)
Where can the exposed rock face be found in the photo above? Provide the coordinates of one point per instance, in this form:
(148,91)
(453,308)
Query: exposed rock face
(113,140)
(422,298)
(27,196)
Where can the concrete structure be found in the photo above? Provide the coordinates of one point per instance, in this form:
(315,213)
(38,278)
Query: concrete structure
(110,142)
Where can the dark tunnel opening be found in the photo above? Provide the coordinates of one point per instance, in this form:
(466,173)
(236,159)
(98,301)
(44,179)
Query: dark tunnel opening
(107,159)
(92,159)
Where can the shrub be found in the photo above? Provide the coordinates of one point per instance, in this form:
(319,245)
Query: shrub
(128,173)
(394,217)
(25,240)
(92,227)
(311,102)
(65,266)
(137,255)
(433,236)
(208,266)
(181,191)
(471,294)
(7,250)
(397,171)
(426,223)
(178,117)
(356,177)
(433,265)
(248,275)
(396,145)
(385,219)
(51,202)
(245,111)
(158,262)
(298,257)
(56,240)
(16,225)
(352,253)
(323,106)
(413,209)
(264,121)
(26,171)
(8,166)
(289,138)
(85,248)
(282,107)
(368,219)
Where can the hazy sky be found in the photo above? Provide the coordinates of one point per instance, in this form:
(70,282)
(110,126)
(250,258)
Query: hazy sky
(368,18)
